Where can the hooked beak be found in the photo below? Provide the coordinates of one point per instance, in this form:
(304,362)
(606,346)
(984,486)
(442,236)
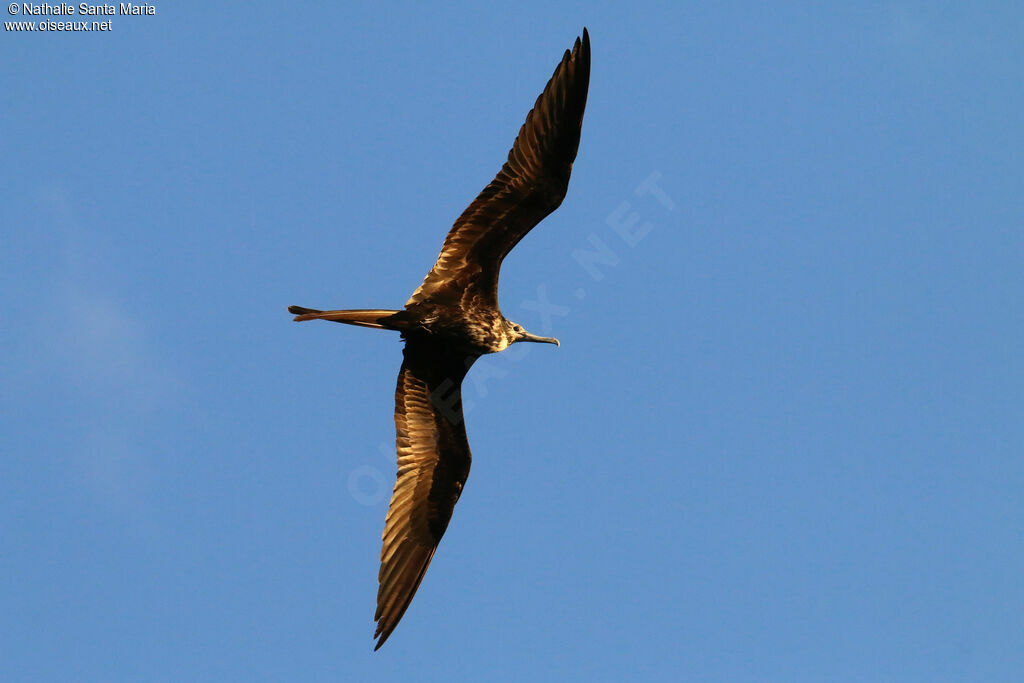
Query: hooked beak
(526,336)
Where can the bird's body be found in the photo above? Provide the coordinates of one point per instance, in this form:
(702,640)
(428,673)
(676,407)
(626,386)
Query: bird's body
(452,319)
(471,330)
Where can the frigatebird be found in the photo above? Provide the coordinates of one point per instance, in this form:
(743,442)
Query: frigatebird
(453,319)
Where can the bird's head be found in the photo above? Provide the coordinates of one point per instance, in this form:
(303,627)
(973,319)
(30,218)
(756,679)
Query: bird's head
(516,333)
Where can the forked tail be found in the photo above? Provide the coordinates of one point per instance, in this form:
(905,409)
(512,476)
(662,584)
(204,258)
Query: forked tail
(376,318)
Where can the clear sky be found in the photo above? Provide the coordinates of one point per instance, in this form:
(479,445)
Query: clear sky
(782,440)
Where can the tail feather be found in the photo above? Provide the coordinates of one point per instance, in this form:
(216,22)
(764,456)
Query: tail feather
(371,317)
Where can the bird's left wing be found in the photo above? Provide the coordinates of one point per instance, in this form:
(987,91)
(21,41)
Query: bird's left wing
(433,463)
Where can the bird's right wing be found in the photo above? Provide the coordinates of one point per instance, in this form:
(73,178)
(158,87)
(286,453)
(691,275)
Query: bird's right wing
(530,185)
(433,463)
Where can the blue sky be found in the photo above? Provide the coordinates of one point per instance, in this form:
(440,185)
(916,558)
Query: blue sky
(782,439)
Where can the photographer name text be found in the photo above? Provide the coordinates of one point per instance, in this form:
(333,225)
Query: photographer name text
(85,9)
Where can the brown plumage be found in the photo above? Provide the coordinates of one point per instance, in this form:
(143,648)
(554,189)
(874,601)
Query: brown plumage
(452,319)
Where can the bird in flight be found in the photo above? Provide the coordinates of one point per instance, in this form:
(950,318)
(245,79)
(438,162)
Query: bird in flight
(453,319)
